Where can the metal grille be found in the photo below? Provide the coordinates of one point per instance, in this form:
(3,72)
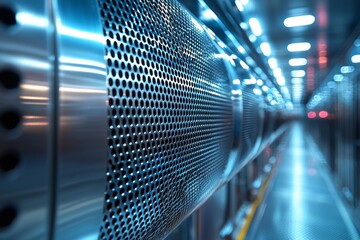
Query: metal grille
(170,117)
(251,122)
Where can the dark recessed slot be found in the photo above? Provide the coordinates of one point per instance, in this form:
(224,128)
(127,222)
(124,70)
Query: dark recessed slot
(10,119)
(9,161)
(7,216)
(9,79)
(7,16)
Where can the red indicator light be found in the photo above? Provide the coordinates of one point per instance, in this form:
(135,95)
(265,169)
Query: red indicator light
(311,115)
(323,114)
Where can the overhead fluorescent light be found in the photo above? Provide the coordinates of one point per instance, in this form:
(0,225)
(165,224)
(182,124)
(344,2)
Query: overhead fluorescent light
(260,82)
(355,58)
(299,47)
(280,81)
(255,26)
(236,92)
(297,21)
(250,81)
(236,81)
(265,48)
(296,81)
(239,5)
(338,77)
(298,73)
(252,38)
(244,2)
(25,18)
(244,65)
(244,26)
(241,49)
(208,14)
(272,63)
(277,72)
(294,62)
(257,91)
(221,44)
(347,69)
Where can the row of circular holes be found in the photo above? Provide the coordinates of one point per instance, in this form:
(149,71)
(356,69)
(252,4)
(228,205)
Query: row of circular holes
(9,119)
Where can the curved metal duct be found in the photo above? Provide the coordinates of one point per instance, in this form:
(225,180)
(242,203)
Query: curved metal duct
(125,119)
(252,122)
(170,118)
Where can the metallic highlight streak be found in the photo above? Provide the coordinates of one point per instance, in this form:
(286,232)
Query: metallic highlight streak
(54,113)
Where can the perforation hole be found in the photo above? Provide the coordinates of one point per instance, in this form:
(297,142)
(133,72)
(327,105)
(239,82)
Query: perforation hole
(7,216)
(9,79)
(7,16)
(10,119)
(9,161)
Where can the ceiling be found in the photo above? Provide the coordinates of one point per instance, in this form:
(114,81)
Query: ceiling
(334,27)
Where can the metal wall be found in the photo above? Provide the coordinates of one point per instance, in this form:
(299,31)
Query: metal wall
(333,120)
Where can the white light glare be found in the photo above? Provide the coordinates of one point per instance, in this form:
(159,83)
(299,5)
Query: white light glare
(225,56)
(338,77)
(244,65)
(244,2)
(252,38)
(255,26)
(241,49)
(221,44)
(265,88)
(298,47)
(236,92)
(347,69)
(210,33)
(197,24)
(280,81)
(208,14)
(294,62)
(299,21)
(236,81)
(259,82)
(239,5)
(265,48)
(298,73)
(257,91)
(25,18)
(272,63)
(277,72)
(355,59)
(297,81)
(250,81)
(244,26)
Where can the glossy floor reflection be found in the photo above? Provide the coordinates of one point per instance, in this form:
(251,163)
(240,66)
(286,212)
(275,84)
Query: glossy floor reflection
(300,202)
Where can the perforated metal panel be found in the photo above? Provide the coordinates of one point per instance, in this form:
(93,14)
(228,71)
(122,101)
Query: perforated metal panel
(252,121)
(170,117)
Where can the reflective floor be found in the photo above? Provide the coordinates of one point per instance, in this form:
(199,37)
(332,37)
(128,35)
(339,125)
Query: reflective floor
(301,202)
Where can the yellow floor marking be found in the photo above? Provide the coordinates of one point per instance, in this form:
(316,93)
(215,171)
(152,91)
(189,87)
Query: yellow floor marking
(253,209)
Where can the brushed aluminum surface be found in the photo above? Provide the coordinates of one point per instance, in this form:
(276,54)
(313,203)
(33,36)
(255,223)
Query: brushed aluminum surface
(82,119)
(25,183)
